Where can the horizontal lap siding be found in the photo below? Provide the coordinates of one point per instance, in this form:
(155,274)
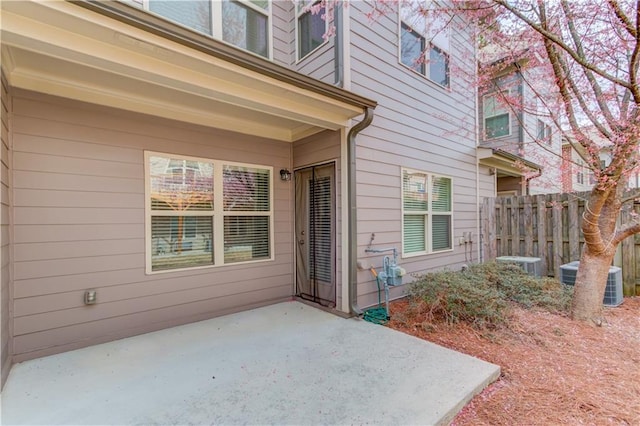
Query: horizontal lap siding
(5,257)
(417,125)
(79,224)
(283,28)
(316,149)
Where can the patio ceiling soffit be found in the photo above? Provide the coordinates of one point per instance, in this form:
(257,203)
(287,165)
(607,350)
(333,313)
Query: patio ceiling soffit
(126,58)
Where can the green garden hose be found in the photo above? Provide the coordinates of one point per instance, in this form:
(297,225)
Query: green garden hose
(377,315)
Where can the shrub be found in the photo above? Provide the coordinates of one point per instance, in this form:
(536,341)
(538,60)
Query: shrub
(481,294)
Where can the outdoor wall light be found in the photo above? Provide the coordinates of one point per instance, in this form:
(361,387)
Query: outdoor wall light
(285,174)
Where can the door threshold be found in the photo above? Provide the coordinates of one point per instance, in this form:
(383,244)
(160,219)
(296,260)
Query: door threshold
(322,308)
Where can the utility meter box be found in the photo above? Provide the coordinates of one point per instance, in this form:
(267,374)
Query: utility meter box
(395,275)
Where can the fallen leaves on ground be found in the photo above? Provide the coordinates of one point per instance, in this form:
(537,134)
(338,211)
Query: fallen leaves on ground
(553,370)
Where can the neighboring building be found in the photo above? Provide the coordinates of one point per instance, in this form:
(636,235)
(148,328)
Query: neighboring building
(577,176)
(510,122)
(186,160)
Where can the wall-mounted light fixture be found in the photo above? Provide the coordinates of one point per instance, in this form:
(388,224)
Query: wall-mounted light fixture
(285,174)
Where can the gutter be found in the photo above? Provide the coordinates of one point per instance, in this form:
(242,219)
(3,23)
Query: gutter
(352,212)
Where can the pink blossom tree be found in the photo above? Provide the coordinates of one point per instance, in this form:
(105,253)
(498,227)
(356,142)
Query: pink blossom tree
(584,57)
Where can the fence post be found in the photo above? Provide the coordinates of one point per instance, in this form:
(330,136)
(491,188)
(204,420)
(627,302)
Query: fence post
(541,206)
(515,228)
(628,261)
(527,222)
(574,228)
(504,227)
(489,229)
(556,214)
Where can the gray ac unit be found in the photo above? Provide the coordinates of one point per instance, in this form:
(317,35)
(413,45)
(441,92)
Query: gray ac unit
(613,292)
(531,265)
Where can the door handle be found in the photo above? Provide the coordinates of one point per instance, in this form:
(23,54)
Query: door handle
(301,242)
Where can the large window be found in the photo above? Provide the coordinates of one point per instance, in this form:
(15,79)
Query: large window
(311,26)
(426,213)
(425,40)
(242,23)
(202,212)
(497,122)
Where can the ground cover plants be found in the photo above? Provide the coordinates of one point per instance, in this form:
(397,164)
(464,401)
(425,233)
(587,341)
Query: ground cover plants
(554,370)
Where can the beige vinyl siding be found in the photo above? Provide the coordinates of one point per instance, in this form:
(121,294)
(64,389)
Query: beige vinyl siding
(318,64)
(512,143)
(417,125)
(321,148)
(79,191)
(283,30)
(6,293)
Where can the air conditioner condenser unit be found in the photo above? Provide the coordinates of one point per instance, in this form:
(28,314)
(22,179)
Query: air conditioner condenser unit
(613,294)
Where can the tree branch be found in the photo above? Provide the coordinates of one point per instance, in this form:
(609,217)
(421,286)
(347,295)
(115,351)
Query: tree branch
(624,19)
(548,35)
(626,232)
(597,90)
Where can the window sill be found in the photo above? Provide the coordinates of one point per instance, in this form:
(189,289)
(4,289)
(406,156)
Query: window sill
(298,61)
(199,268)
(446,89)
(424,253)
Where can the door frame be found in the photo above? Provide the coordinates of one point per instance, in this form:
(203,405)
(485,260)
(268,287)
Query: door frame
(333,162)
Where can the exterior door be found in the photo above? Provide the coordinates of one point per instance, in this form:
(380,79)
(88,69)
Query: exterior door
(315,234)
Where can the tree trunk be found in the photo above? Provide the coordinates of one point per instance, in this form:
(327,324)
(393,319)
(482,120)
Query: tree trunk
(591,282)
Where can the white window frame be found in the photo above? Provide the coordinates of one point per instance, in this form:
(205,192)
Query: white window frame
(301,8)
(429,213)
(430,43)
(485,116)
(218,213)
(217,23)
(580,172)
(546,132)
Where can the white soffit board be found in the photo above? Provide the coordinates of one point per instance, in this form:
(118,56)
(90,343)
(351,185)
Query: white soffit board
(63,50)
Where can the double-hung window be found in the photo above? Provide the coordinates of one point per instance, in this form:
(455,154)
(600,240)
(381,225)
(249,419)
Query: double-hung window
(426,213)
(497,120)
(311,26)
(425,40)
(544,132)
(242,23)
(202,212)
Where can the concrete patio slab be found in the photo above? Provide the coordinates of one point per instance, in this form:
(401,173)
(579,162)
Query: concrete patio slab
(283,364)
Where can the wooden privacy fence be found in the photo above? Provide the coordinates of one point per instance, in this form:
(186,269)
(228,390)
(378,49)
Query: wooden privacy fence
(548,226)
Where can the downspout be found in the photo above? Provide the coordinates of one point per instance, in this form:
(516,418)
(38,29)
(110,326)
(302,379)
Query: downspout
(353,230)
(338,60)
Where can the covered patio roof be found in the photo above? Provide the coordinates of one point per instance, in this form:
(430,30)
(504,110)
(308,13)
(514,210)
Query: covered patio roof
(505,163)
(113,54)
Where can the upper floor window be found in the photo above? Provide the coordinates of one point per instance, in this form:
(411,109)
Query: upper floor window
(311,26)
(242,23)
(202,212)
(544,132)
(425,41)
(580,172)
(426,213)
(497,122)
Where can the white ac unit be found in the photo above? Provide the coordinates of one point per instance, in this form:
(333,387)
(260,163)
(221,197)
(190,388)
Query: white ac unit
(531,265)
(613,294)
